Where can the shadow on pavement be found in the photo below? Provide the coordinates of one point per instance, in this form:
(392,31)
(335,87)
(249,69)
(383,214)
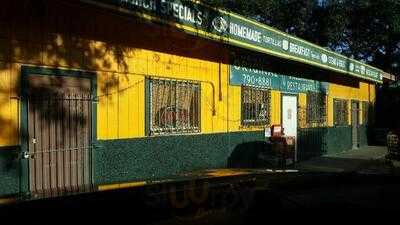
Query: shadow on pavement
(268,197)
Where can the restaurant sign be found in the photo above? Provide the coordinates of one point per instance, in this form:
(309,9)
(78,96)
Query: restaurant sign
(248,73)
(196,18)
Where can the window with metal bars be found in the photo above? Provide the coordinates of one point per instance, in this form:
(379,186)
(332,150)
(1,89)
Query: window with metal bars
(255,106)
(174,107)
(340,112)
(316,109)
(365,110)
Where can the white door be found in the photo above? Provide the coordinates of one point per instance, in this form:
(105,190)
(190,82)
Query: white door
(289,117)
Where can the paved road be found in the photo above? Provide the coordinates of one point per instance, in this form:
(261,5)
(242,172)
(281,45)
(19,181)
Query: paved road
(365,181)
(370,159)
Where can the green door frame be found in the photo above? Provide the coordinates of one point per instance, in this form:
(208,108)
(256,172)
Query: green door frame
(36,70)
(297,118)
(355,128)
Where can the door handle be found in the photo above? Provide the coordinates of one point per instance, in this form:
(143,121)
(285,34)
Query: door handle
(27,155)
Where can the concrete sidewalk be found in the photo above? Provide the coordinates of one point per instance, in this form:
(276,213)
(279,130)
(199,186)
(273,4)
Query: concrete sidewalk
(370,159)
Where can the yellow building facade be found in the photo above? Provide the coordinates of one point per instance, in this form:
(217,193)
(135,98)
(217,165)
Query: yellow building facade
(120,54)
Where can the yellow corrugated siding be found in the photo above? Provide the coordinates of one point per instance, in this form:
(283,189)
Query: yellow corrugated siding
(121,110)
(55,51)
(4,47)
(275,107)
(102,128)
(9,104)
(121,106)
(372,93)
(5,104)
(362,92)
(121,102)
(113,112)
(15,103)
(128,106)
(302,104)
(234,107)
(26,52)
(330,111)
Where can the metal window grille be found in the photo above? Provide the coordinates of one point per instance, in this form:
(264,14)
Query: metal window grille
(301,116)
(365,112)
(174,107)
(255,106)
(316,115)
(340,112)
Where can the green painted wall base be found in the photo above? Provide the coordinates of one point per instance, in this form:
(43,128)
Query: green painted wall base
(9,171)
(313,142)
(161,157)
(339,139)
(364,135)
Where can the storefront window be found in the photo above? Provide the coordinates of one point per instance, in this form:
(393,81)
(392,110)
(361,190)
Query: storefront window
(316,109)
(174,107)
(340,112)
(255,106)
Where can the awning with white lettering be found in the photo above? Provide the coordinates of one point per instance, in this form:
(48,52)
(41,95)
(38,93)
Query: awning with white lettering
(216,24)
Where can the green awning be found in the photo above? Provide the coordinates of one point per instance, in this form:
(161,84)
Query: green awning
(196,18)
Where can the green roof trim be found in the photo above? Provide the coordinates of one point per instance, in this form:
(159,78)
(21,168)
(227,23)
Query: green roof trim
(199,19)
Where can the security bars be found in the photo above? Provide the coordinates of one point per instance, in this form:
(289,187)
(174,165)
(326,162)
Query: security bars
(316,115)
(59,144)
(255,106)
(340,112)
(174,107)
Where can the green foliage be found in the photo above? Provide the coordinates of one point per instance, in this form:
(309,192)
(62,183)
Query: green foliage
(367,30)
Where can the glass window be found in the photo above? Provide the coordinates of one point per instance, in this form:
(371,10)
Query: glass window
(340,112)
(316,109)
(255,106)
(174,107)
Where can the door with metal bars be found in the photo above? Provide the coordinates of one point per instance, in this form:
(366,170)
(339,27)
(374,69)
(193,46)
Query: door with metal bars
(59,130)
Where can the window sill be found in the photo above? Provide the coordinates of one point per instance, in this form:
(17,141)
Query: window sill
(253,127)
(174,134)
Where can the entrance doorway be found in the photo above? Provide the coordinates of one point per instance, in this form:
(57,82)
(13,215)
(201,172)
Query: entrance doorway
(59,125)
(289,117)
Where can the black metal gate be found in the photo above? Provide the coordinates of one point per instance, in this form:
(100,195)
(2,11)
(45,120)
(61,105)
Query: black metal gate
(59,127)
